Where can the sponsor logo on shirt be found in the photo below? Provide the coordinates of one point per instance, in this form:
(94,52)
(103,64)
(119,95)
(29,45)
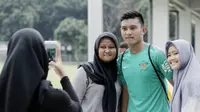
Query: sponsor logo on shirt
(166,67)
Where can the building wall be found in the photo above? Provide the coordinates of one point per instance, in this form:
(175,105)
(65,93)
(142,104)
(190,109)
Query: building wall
(95,24)
(197,39)
(160,24)
(185,25)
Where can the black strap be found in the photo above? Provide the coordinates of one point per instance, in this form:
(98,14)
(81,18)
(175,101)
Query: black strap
(88,80)
(121,59)
(162,83)
(120,98)
(90,66)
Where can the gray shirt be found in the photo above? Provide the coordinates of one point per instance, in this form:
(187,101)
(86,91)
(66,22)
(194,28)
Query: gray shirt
(91,95)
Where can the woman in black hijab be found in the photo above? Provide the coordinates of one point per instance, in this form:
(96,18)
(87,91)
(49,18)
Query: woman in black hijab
(96,83)
(23,84)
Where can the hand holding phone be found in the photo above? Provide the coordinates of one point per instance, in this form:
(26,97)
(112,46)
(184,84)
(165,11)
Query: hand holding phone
(51,49)
(55,59)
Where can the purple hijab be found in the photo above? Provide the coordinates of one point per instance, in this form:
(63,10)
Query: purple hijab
(187,77)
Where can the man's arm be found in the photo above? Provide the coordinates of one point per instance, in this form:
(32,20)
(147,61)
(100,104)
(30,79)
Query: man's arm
(164,67)
(125,98)
(125,95)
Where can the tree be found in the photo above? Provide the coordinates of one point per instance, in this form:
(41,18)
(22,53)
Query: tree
(15,15)
(52,12)
(43,15)
(73,32)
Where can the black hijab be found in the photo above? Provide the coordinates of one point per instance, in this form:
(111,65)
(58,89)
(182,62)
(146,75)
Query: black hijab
(25,66)
(104,73)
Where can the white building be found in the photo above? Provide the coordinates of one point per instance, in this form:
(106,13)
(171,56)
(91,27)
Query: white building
(186,13)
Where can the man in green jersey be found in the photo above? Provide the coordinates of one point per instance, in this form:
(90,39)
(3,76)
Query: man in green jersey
(142,87)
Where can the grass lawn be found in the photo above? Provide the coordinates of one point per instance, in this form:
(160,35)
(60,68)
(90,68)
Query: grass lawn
(70,70)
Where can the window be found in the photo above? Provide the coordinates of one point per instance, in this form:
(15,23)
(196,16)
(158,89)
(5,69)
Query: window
(173,24)
(193,33)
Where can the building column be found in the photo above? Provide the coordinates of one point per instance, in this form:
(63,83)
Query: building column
(160,22)
(95,24)
(197,38)
(185,27)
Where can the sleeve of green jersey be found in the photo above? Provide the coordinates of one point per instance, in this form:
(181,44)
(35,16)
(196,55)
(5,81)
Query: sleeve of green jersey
(120,74)
(163,65)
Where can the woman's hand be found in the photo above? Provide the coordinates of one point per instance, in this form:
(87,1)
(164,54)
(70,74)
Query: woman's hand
(57,65)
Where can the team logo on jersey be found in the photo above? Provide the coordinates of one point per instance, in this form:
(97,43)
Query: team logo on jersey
(143,66)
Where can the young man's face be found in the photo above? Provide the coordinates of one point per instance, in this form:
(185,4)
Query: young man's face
(132,31)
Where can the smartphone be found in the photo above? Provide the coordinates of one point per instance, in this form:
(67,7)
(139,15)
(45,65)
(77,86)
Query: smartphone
(51,49)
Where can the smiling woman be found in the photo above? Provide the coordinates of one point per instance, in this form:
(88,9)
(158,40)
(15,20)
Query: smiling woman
(173,57)
(186,77)
(96,83)
(107,49)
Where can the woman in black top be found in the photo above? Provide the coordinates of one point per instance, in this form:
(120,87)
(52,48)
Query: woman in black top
(23,84)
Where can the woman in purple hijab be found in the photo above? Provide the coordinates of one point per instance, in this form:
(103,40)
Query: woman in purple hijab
(186,92)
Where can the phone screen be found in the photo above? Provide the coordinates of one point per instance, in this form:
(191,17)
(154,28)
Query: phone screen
(51,49)
(51,54)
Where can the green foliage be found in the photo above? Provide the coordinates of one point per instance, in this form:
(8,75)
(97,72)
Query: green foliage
(15,15)
(48,17)
(73,32)
(65,20)
(43,15)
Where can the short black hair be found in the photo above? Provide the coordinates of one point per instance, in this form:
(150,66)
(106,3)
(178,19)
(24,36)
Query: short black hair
(131,14)
(123,45)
